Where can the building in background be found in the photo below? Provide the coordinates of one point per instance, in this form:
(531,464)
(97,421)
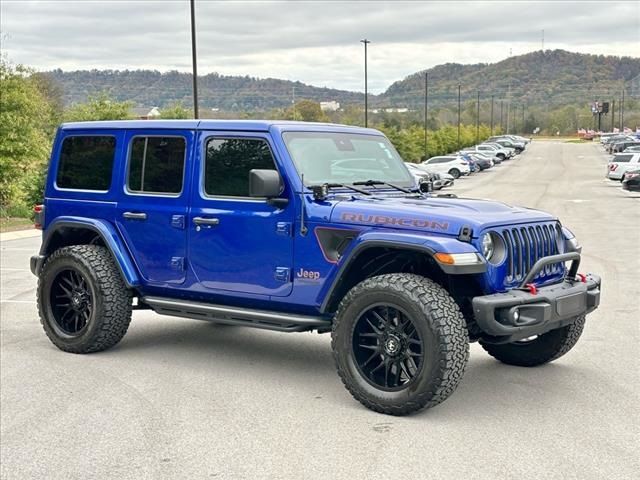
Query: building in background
(331,106)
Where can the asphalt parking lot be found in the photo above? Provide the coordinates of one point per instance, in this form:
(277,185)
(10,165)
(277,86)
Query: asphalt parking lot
(188,399)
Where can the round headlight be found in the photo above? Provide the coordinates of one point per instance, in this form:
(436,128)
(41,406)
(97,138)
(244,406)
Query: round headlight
(487,246)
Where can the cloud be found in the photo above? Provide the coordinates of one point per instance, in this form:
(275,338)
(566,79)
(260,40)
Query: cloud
(315,42)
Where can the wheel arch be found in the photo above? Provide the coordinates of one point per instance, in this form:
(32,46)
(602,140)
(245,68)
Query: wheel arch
(376,257)
(66,231)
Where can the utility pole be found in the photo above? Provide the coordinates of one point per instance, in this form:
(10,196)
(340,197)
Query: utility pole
(523,130)
(501,120)
(458,143)
(194,60)
(508,106)
(293,102)
(492,115)
(366,101)
(622,110)
(613,112)
(478,118)
(426,111)
(543,40)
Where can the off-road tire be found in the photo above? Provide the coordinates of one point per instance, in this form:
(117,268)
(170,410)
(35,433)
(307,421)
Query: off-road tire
(440,323)
(455,173)
(111,307)
(544,349)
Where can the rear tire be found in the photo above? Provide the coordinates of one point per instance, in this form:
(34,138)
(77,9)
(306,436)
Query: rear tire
(543,349)
(455,173)
(400,343)
(84,304)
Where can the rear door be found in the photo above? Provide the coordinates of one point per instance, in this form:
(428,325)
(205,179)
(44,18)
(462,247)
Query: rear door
(238,243)
(152,213)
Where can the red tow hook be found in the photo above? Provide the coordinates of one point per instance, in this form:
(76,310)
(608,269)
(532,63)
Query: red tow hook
(582,277)
(533,290)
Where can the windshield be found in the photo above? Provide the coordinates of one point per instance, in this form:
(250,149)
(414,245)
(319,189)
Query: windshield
(324,157)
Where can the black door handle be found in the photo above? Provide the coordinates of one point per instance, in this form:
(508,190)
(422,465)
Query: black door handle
(135,215)
(205,221)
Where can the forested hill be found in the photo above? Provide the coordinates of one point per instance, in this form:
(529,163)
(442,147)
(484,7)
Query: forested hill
(152,88)
(551,78)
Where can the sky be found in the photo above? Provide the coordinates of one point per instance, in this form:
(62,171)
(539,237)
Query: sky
(315,42)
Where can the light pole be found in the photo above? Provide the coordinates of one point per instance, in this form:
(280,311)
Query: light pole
(426,111)
(492,115)
(366,104)
(478,118)
(194,59)
(458,143)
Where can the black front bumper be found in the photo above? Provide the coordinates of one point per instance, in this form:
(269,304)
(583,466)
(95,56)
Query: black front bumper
(551,307)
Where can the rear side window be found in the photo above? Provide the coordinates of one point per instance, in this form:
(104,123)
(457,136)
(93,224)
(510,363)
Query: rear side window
(228,163)
(622,158)
(156,165)
(86,162)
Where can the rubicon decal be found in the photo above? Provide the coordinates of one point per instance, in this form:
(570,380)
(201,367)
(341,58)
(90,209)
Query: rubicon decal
(402,222)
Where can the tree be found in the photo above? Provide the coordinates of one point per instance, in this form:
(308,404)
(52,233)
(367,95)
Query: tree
(99,107)
(307,111)
(25,133)
(175,111)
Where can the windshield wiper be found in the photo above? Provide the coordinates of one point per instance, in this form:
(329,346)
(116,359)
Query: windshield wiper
(318,190)
(370,183)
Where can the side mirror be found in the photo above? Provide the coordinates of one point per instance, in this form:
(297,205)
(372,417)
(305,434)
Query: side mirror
(264,183)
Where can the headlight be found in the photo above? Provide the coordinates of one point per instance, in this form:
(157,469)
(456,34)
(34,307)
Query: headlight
(571,242)
(487,246)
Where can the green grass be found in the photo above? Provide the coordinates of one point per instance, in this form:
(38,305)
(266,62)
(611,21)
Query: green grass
(11,224)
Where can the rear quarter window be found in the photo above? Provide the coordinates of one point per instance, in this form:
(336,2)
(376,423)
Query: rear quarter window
(622,158)
(86,162)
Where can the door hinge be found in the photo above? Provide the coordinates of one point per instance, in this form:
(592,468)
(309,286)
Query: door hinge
(177,221)
(283,274)
(283,228)
(177,263)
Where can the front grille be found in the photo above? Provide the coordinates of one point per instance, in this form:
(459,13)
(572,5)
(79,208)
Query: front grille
(526,245)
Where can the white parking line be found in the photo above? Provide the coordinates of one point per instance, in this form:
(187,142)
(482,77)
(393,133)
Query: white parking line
(18,301)
(14,270)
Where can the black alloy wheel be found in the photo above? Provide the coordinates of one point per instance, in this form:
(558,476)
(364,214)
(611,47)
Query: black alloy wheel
(71,302)
(387,347)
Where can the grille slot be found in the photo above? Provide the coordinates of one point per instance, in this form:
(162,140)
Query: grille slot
(526,245)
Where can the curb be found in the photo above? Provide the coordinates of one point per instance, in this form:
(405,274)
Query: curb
(4,237)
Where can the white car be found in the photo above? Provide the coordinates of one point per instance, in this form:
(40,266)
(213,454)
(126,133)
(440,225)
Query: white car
(451,164)
(511,152)
(622,163)
(501,153)
(438,180)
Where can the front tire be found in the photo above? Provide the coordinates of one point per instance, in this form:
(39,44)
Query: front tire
(542,349)
(400,343)
(84,304)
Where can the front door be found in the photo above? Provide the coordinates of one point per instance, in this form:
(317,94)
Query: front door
(152,213)
(238,243)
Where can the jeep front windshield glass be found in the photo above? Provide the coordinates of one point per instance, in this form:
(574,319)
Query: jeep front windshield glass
(345,158)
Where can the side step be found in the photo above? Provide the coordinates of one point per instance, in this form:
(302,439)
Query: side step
(279,322)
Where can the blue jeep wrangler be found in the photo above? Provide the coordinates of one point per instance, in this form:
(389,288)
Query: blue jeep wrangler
(294,227)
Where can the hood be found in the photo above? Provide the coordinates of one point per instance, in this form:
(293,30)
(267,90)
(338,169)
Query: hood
(443,215)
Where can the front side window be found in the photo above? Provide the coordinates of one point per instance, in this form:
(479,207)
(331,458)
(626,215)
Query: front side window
(156,165)
(86,162)
(228,162)
(325,157)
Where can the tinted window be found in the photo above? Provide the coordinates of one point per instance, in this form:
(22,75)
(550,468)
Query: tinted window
(156,164)
(622,158)
(228,163)
(86,163)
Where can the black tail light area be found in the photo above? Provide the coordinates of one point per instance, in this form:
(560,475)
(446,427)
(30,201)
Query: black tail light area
(38,216)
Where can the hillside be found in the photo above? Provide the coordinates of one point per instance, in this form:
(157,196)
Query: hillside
(152,88)
(552,78)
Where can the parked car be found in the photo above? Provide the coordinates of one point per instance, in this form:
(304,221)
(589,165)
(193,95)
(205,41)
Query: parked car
(250,224)
(632,149)
(445,179)
(621,163)
(509,142)
(421,176)
(617,137)
(631,181)
(511,152)
(481,162)
(498,151)
(454,165)
(620,147)
(609,146)
(486,155)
